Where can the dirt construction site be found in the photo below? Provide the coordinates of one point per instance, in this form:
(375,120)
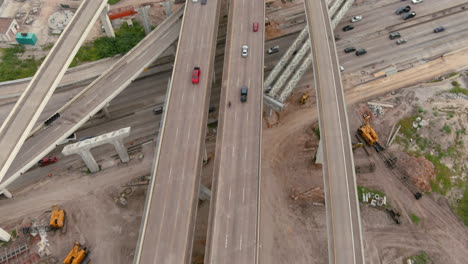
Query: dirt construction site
(420,115)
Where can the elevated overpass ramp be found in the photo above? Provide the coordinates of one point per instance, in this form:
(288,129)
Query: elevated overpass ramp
(343,219)
(25,113)
(168,222)
(96,95)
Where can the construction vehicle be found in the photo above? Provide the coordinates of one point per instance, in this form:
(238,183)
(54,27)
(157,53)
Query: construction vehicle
(77,255)
(57,218)
(304,98)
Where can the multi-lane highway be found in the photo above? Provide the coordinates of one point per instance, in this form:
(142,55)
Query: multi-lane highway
(169,219)
(343,219)
(95,96)
(24,115)
(232,236)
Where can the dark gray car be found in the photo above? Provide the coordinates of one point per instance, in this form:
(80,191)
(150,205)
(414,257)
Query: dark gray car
(243,97)
(404,9)
(203,2)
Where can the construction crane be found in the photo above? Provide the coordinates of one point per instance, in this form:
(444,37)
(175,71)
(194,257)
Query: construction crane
(77,255)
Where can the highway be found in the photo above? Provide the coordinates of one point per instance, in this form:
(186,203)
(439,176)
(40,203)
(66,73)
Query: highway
(343,219)
(95,96)
(168,222)
(25,113)
(233,227)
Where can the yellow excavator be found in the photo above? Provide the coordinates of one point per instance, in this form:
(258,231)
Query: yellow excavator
(304,98)
(76,255)
(57,218)
(368,133)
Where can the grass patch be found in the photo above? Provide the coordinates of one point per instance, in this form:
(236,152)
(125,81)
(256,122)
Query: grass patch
(435,113)
(407,128)
(415,218)
(317,131)
(458,89)
(442,181)
(125,39)
(452,74)
(12,68)
(434,81)
(422,258)
(111,2)
(447,129)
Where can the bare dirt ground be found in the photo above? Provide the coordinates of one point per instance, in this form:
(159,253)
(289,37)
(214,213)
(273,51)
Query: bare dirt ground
(296,230)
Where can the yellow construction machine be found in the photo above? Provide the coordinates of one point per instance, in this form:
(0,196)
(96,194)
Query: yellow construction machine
(57,218)
(368,133)
(304,98)
(76,255)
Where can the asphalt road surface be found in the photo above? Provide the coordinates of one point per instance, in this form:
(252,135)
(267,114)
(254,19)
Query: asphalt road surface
(169,218)
(24,115)
(234,206)
(91,99)
(343,220)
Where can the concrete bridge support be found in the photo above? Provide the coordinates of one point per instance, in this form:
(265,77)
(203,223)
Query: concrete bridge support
(143,12)
(6,193)
(83,148)
(106,23)
(296,78)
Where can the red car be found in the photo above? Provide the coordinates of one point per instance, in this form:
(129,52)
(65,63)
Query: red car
(196,75)
(255,27)
(46,161)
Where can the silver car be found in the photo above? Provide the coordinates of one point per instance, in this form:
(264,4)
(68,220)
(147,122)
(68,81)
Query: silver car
(245,51)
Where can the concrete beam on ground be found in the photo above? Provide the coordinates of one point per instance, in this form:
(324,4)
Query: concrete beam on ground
(286,92)
(290,68)
(27,109)
(338,9)
(168,221)
(95,96)
(286,57)
(343,219)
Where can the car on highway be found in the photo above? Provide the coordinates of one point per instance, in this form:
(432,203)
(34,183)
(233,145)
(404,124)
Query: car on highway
(203,2)
(196,75)
(438,29)
(403,9)
(348,28)
(356,19)
(245,51)
(69,139)
(394,35)
(47,161)
(406,16)
(255,27)
(401,41)
(361,52)
(273,50)
(416,1)
(341,68)
(195,1)
(243,94)
(158,110)
(349,49)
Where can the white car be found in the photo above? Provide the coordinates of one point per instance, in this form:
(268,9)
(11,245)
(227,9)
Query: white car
(341,68)
(245,51)
(416,1)
(195,1)
(356,19)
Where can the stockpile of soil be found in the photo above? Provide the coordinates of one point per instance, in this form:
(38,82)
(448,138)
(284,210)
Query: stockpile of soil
(420,170)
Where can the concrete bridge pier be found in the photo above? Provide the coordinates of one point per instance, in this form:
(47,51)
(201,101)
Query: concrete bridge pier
(106,23)
(88,159)
(6,193)
(121,149)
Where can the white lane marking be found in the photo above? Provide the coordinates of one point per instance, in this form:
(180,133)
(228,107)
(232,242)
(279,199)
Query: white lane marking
(240,242)
(232,151)
(230,191)
(245,154)
(227,232)
(225,243)
(187,67)
(243,194)
(118,75)
(235,116)
(170,173)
